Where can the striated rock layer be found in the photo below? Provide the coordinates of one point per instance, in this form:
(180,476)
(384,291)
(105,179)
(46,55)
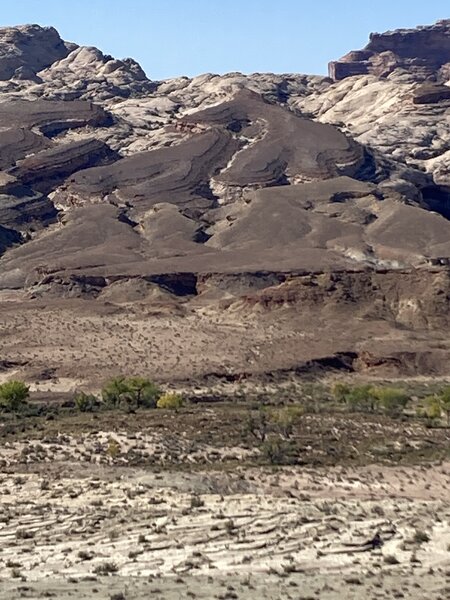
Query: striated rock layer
(283,200)
(424,51)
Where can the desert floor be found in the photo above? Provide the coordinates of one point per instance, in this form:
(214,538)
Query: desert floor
(115,506)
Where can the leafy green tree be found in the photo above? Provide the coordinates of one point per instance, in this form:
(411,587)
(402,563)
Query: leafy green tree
(144,393)
(114,391)
(13,395)
(133,391)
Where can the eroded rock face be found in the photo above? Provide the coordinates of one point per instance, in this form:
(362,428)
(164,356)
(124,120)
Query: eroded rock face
(290,199)
(224,173)
(26,50)
(423,51)
(103,77)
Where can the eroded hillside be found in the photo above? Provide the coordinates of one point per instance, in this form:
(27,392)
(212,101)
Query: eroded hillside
(304,213)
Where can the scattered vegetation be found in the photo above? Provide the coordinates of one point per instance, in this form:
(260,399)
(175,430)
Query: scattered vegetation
(371,399)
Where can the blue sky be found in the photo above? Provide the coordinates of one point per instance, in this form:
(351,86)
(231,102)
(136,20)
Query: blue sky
(189,37)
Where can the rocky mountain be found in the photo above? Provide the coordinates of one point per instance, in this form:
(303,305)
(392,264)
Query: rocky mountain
(226,192)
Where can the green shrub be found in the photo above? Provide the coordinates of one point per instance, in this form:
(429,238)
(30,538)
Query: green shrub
(170,401)
(114,448)
(445,402)
(278,452)
(341,391)
(361,398)
(13,395)
(392,400)
(86,402)
(433,408)
(439,405)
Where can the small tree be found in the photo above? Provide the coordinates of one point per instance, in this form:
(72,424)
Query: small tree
(13,395)
(133,391)
(143,392)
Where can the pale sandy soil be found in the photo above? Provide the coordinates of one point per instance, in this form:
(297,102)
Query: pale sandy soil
(254,533)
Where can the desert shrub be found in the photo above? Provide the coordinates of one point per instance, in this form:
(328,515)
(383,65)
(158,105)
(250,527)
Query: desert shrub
(390,559)
(137,392)
(86,402)
(106,568)
(438,405)
(113,449)
(278,452)
(392,400)
(361,397)
(257,424)
(284,419)
(421,537)
(433,408)
(170,401)
(445,400)
(196,501)
(340,392)
(13,395)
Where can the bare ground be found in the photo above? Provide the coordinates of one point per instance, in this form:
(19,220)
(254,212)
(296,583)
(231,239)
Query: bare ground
(186,506)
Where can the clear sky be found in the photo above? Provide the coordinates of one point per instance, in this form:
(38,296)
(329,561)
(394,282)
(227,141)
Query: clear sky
(189,37)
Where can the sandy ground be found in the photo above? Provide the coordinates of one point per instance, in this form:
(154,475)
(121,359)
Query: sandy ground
(69,344)
(69,528)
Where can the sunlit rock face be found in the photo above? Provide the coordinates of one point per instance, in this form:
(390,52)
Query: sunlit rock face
(227,172)
(423,52)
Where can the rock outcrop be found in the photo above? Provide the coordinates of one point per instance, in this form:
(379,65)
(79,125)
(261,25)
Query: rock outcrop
(424,52)
(26,50)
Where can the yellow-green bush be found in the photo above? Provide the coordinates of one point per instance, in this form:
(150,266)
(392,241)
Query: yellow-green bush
(13,395)
(170,401)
